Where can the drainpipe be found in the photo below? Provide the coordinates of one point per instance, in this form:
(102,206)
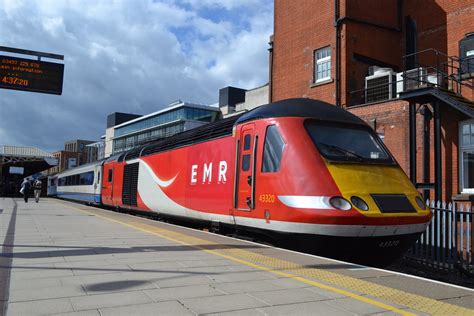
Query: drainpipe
(338,21)
(338,53)
(270,70)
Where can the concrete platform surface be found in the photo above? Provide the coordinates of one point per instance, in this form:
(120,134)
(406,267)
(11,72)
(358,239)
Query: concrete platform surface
(64,258)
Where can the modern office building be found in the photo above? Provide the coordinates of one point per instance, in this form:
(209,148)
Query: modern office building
(96,151)
(177,117)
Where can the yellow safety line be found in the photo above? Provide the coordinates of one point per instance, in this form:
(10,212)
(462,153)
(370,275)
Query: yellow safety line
(409,300)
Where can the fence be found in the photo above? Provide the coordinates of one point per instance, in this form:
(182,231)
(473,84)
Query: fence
(447,241)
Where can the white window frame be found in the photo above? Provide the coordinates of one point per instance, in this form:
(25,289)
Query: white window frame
(321,61)
(462,149)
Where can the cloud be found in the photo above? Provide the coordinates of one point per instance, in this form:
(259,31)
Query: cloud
(128,56)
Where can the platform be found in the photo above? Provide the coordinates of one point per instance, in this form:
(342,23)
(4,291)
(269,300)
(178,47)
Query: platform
(60,257)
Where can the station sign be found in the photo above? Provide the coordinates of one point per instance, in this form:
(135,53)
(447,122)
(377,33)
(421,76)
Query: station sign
(31,75)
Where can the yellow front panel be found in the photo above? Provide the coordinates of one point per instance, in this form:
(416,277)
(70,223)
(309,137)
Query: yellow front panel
(363,180)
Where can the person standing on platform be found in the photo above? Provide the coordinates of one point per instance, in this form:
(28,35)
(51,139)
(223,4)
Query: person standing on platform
(25,189)
(37,189)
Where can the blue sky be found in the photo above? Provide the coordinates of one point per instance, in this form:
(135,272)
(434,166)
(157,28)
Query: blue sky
(132,56)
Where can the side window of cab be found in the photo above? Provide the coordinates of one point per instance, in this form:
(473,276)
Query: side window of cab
(272,150)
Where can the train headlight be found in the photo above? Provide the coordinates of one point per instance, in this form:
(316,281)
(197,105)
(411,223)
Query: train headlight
(340,203)
(420,203)
(359,203)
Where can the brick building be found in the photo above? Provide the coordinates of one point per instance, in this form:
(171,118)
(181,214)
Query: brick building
(66,160)
(389,63)
(80,146)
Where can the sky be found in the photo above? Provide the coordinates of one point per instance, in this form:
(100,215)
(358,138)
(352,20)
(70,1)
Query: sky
(132,56)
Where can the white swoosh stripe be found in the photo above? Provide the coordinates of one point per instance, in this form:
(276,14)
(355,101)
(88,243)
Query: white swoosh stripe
(160,182)
(306,201)
(156,200)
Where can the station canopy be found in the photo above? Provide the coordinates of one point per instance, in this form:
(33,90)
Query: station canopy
(18,162)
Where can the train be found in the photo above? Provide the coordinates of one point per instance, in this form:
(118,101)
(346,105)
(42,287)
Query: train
(301,171)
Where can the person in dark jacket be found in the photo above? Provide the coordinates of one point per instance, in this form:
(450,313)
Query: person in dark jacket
(25,189)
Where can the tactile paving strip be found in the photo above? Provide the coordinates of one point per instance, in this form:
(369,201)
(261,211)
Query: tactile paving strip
(346,285)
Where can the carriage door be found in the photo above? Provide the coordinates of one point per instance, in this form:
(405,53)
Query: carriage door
(245,194)
(97,183)
(108,184)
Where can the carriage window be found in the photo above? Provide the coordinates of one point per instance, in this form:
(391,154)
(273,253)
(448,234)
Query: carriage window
(245,162)
(87,178)
(247,142)
(273,150)
(110,175)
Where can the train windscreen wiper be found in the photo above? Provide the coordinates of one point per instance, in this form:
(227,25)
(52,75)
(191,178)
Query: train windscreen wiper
(346,152)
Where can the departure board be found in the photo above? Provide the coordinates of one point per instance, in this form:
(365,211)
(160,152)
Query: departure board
(31,75)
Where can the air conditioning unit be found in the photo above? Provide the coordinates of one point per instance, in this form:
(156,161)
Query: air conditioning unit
(415,79)
(380,86)
(400,83)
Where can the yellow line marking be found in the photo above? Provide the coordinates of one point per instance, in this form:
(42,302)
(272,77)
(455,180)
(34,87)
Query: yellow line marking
(300,273)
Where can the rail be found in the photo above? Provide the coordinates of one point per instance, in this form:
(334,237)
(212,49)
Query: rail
(447,242)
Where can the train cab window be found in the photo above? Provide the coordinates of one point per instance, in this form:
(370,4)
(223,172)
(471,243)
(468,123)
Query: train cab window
(348,143)
(246,162)
(273,150)
(247,142)
(109,175)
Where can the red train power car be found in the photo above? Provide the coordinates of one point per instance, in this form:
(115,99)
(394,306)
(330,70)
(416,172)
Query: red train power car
(298,170)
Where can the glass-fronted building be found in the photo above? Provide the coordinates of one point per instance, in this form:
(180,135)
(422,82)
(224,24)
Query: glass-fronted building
(177,117)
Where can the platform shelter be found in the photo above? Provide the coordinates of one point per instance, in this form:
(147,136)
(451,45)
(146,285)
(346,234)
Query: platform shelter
(18,162)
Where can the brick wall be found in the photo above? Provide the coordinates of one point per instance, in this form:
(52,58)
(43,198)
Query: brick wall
(392,122)
(306,25)
(300,28)
(460,20)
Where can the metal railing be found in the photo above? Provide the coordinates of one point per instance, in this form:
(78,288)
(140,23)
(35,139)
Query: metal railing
(428,68)
(447,242)
(447,70)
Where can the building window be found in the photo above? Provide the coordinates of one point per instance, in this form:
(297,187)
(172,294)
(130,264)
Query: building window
(322,64)
(466,156)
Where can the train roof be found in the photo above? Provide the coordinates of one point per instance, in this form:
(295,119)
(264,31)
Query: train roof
(214,130)
(301,107)
(79,169)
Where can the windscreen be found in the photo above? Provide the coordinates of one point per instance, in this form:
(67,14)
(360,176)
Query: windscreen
(348,143)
